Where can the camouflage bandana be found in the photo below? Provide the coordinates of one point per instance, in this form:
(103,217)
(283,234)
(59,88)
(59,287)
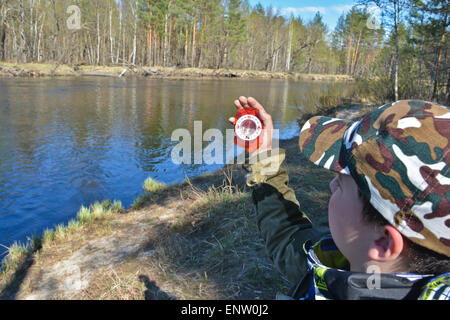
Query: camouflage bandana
(399,155)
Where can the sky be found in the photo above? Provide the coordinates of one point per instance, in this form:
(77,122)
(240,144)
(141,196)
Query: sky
(330,9)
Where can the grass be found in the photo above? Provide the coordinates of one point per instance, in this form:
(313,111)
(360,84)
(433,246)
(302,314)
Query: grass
(20,256)
(118,285)
(215,251)
(153,186)
(38,69)
(140,201)
(212,251)
(86,216)
(15,256)
(18,253)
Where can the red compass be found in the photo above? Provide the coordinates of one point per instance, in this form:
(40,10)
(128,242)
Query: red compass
(248,128)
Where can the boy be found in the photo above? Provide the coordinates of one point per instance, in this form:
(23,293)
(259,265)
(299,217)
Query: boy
(389,213)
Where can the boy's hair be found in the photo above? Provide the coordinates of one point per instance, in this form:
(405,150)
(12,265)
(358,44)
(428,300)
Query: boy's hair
(421,260)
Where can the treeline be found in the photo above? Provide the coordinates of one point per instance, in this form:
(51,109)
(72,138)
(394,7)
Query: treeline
(406,55)
(185,33)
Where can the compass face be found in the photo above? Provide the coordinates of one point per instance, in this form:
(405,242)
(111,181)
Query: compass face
(248,128)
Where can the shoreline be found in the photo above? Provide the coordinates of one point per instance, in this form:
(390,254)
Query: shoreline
(35,70)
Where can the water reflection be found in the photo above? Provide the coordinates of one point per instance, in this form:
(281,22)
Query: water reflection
(71,141)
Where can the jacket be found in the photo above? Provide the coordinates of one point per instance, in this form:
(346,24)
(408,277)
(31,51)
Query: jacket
(309,258)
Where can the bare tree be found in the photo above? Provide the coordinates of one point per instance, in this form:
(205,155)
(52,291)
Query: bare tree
(134,8)
(111,39)
(4,10)
(289,48)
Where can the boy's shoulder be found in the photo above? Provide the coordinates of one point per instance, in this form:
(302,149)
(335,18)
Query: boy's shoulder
(328,254)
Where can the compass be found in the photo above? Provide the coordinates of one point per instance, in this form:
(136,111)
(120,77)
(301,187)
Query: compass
(248,128)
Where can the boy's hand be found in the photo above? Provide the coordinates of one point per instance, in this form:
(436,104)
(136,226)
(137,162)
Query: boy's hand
(244,102)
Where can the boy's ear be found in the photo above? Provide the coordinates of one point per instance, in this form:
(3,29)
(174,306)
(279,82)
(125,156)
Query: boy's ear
(388,246)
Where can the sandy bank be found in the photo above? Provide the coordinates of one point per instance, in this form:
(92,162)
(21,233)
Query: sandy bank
(52,70)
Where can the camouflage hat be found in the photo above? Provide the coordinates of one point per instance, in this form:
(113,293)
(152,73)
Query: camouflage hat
(399,155)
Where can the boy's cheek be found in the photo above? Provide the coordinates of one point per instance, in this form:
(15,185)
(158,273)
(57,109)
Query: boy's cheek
(344,213)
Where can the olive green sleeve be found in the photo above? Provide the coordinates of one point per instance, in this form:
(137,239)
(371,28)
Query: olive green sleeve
(281,223)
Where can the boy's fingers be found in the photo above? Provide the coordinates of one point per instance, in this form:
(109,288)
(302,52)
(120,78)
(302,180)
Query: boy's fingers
(238,104)
(232,120)
(255,104)
(244,101)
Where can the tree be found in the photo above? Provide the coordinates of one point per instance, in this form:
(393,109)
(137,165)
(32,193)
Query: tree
(429,22)
(289,47)
(4,12)
(355,45)
(439,21)
(234,29)
(393,11)
(316,44)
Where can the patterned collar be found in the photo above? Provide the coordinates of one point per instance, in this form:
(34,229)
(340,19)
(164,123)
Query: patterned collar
(335,284)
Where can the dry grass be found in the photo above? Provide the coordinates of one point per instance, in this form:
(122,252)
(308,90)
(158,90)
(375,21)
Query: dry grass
(223,250)
(117,284)
(213,251)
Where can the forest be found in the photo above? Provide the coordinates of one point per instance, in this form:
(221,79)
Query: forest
(403,55)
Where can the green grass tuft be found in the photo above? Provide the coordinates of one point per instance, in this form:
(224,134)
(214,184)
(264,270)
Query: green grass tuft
(48,236)
(17,254)
(153,186)
(140,201)
(117,207)
(84,215)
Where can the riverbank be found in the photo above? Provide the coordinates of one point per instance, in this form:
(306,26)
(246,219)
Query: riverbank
(52,70)
(196,240)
